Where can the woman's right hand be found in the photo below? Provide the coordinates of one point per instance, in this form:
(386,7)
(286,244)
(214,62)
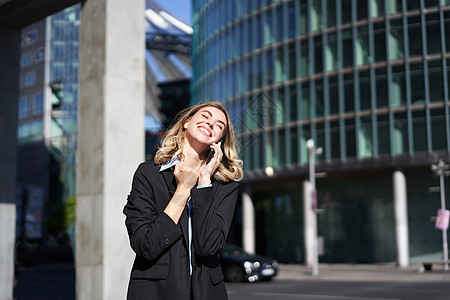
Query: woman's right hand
(186,179)
(186,176)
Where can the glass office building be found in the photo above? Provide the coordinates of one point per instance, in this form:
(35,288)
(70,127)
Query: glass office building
(367,80)
(47,120)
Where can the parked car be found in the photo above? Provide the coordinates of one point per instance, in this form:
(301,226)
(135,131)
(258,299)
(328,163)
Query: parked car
(238,265)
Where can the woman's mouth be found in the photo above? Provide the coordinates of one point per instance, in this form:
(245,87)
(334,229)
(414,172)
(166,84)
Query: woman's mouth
(205,131)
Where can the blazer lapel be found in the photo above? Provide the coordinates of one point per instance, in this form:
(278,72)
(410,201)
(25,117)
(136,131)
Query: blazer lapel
(171,184)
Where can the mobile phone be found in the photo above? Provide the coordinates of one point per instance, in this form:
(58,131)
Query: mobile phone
(211,152)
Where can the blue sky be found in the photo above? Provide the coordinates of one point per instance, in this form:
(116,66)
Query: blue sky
(179,8)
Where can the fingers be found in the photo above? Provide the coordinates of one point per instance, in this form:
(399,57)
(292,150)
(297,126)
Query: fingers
(218,154)
(185,175)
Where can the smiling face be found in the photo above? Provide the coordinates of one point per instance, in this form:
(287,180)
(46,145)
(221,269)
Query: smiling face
(206,126)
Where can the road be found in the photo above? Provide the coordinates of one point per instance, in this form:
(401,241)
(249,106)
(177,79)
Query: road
(336,290)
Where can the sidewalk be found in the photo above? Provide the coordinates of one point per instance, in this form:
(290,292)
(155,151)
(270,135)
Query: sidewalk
(363,272)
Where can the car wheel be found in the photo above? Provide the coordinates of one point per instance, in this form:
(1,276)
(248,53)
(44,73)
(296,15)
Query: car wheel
(234,274)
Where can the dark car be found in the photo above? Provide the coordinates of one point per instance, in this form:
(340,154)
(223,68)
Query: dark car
(238,265)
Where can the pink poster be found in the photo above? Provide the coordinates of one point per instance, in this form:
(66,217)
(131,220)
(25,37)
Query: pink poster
(442,219)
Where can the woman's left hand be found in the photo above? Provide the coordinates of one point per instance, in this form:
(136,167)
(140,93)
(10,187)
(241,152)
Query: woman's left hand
(208,170)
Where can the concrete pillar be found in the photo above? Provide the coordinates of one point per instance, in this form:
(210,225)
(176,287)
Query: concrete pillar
(110,142)
(308,224)
(401,218)
(248,221)
(9,95)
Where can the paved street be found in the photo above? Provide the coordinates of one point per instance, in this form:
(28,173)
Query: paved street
(348,282)
(334,282)
(336,290)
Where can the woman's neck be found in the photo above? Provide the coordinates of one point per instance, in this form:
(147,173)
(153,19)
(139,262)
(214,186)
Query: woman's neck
(192,157)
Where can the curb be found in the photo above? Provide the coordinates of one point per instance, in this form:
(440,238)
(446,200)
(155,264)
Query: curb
(362,272)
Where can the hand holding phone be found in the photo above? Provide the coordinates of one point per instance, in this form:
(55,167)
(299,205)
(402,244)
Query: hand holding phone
(213,159)
(211,152)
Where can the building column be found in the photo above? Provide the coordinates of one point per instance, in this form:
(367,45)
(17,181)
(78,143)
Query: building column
(308,224)
(248,220)
(401,218)
(9,95)
(110,142)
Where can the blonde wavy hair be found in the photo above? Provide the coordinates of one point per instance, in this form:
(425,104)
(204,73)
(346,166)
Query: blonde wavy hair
(230,167)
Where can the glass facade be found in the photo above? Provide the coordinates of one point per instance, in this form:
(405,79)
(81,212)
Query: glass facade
(47,127)
(63,75)
(367,80)
(331,71)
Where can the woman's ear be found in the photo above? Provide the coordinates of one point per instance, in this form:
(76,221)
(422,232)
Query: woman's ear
(186,123)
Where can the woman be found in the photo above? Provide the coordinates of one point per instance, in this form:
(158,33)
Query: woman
(180,208)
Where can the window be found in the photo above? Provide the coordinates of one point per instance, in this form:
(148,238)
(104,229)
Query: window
(331,53)
(418,84)
(436,84)
(318,55)
(400,133)
(335,140)
(334,96)
(362,10)
(394,6)
(396,46)
(26,59)
(380,41)
(304,59)
(398,87)
(292,60)
(279,19)
(365,138)
(364,91)
(419,131)
(291,20)
(438,129)
(30,79)
(384,140)
(320,109)
(280,66)
(305,102)
(433,34)
(414,36)
(347,48)
(39,54)
(24,107)
(38,103)
(304,18)
(362,51)
(349,94)
(381,88)
(268,28)
(331,13)
(350,138)
(316,15)
(376,8)
(30,131)
(31,37)
(294,139)
(346,11)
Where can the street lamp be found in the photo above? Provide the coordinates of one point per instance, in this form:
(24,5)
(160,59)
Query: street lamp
(441,169)
(312,179)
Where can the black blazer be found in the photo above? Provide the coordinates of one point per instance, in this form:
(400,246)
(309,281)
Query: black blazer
(161,266)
